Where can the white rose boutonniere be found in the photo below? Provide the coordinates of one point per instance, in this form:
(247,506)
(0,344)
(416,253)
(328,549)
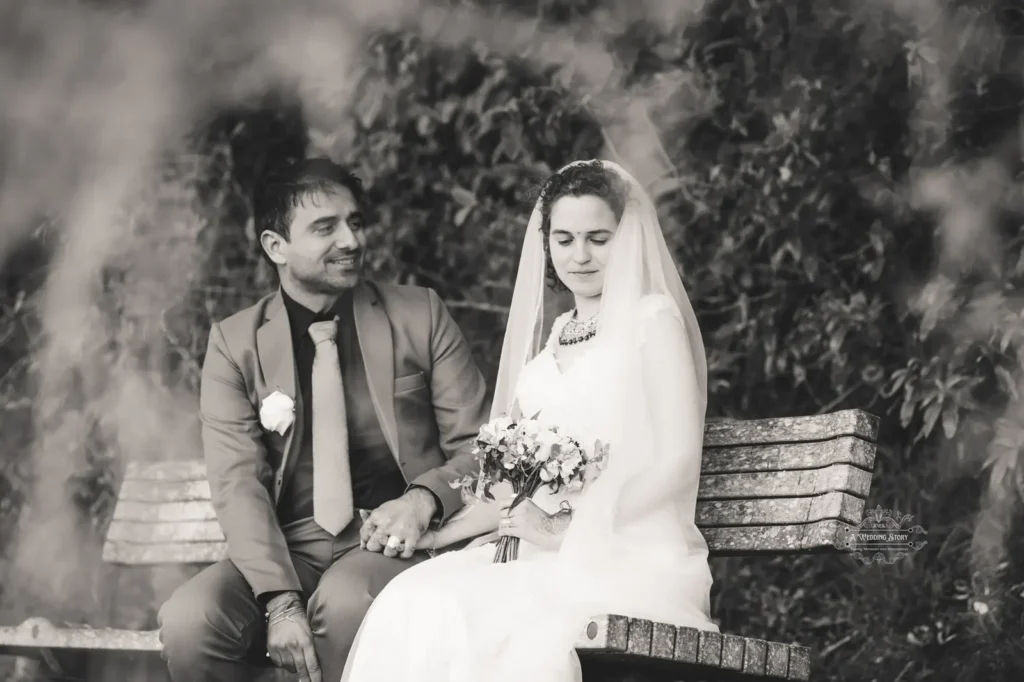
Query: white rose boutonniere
(277,412)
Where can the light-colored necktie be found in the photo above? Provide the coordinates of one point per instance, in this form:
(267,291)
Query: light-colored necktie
(332,479)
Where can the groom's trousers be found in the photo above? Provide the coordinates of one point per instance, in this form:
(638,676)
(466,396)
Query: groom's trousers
(213,628)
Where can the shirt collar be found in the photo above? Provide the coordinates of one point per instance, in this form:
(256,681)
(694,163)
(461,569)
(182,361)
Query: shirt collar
(300,317)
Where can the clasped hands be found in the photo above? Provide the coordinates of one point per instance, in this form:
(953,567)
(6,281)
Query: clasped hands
(400,527)
(396,528)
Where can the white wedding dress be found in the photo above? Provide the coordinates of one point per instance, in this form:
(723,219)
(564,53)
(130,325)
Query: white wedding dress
(461,618)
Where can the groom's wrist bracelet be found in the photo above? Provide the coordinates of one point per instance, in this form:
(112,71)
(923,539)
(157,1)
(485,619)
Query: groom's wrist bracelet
(282,600)
(285,614)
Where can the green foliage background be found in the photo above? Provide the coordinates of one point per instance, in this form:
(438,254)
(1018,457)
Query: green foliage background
(819,268)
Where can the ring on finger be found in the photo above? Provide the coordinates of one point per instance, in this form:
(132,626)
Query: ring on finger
(395,542)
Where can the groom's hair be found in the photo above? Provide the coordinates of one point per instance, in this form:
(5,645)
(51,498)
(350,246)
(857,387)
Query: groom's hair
(585,179)
(280,191)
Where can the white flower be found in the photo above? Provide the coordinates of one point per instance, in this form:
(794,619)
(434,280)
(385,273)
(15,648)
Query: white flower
(570,464)
(529,428)
(545,439)
(493,431)
(277,412)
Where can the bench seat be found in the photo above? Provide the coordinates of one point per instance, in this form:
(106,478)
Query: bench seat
(615,637)
(793,485)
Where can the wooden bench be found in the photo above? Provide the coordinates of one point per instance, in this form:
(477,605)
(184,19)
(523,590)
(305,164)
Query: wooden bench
(769,486)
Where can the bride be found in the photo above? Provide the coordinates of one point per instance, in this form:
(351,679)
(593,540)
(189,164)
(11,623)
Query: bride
(626,366)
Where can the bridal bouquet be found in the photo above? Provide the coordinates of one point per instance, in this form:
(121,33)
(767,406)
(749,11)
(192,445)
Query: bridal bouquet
(528,455)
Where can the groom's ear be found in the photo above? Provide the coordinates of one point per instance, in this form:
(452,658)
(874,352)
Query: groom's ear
(273,245)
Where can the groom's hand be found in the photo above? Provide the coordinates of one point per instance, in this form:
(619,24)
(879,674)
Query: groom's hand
(397,526)
(289,637)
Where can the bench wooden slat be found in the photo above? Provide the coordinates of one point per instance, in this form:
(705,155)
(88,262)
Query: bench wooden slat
(802,483)
(128,554)
(618,635)
(777,664)
(806,537)
(155,524)
(149,491)
(799,483)
(755,656)
(799,664)
(725,541)
(193,510)
(709,649)
(779,511)
(732,652)
(174,471)
(723,458)
(609,634)
(687,642)
(638,636)
(792,429)
(165,532)
(663,641)
(789,456)
(36,633)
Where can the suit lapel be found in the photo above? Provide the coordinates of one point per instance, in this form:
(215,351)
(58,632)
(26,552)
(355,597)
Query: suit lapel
(373,329)
(277,358)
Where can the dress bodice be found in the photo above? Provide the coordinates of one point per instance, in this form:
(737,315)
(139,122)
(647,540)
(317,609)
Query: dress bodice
(567,398)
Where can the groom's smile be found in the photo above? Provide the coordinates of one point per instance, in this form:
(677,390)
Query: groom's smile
(347,261)
(323,253)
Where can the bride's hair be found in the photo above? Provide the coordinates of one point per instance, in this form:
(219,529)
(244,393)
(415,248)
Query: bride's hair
(587,178)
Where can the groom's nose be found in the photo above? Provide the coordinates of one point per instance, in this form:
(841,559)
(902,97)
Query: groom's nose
(345,238)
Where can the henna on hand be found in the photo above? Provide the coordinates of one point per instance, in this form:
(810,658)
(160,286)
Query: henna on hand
(557,523)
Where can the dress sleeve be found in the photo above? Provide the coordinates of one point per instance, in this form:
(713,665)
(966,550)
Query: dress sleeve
(668,430)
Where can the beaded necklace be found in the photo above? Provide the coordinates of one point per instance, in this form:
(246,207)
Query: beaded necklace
(574,331)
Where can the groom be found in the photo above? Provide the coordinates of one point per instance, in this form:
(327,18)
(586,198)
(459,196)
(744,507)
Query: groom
(330,396)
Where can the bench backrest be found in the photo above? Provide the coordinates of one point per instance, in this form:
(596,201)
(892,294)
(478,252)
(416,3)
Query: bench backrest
(782,485)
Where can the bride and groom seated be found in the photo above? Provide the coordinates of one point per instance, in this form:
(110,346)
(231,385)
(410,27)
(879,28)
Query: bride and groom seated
(337,414)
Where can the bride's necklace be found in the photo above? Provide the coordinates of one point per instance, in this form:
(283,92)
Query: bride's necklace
(574,331)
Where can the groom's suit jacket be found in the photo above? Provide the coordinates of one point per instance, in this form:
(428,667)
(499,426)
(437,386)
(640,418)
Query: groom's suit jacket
(427,391)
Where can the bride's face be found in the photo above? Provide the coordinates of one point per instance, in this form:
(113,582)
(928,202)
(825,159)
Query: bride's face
(580,242)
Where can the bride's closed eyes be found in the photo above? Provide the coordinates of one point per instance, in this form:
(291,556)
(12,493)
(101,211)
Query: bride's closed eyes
(597,237)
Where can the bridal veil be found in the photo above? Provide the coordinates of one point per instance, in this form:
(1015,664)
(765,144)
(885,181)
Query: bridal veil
(633,538)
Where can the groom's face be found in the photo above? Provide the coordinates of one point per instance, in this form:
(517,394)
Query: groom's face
(326,243)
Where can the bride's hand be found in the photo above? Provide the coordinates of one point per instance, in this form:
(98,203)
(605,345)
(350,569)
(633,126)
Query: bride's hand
(529,522)
(481,541)
(427,541)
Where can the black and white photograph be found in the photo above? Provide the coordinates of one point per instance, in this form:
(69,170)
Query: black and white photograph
(511,340)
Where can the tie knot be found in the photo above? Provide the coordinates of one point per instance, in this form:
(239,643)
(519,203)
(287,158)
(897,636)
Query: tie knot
(323,331)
